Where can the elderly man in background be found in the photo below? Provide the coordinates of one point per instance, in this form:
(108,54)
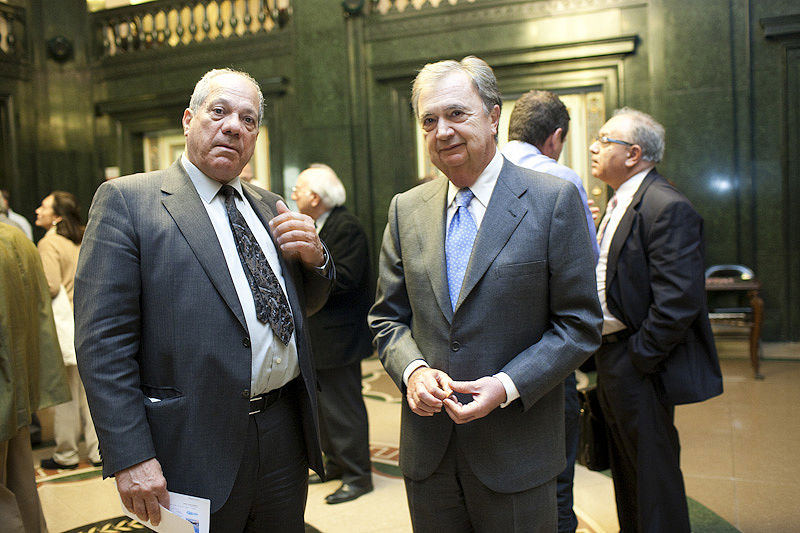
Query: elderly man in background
(537,132)
(191,297)
(658,350)
(340,337)
(486,302)
(35,376)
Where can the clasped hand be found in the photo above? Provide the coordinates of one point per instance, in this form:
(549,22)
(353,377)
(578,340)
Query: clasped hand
(296,236)
(429,390)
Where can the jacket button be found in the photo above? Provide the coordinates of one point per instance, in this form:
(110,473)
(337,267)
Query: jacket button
(246,342)
(455,346)
(246,394)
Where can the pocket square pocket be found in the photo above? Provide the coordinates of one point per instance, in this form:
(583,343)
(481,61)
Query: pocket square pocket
(521,270)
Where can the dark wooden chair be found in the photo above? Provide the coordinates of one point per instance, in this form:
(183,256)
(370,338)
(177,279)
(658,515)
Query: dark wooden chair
(739,283)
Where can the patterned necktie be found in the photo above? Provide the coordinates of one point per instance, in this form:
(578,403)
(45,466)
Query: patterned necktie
(271,303)
(604,223)
(458,244)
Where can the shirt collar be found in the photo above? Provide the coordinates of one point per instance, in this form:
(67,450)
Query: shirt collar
(320,221)
(628,189)
(206,187)
(521,147)
(484,185)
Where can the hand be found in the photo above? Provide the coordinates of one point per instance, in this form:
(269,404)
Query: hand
(593,209)
(296,236)
(427,387)
(142,488)
(487,394)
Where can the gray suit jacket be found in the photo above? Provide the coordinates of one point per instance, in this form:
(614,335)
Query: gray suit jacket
(528,307)
(157,316)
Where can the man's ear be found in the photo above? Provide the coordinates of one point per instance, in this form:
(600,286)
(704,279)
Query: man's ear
(494,116)
(187,118)
(634,156)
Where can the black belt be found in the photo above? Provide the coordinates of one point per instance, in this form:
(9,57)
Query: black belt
(619,336)
(262,402)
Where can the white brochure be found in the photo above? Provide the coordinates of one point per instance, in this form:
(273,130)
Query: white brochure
(186,514)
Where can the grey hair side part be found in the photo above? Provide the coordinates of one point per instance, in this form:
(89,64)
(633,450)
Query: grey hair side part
(477,69)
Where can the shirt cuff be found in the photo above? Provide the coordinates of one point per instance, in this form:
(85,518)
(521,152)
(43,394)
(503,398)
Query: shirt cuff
(325,269)
(413,365)
(511,390)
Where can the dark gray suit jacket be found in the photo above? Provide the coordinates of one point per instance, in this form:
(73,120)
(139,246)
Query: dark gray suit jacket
(656,286)
(528,307)
(157,316)
(339,332)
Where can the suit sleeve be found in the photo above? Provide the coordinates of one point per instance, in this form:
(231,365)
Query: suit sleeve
(575,315)
(675,259)
(348,247)
(107,331)
(390,317)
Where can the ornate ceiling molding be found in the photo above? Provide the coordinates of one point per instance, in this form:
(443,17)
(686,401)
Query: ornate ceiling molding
(429,19)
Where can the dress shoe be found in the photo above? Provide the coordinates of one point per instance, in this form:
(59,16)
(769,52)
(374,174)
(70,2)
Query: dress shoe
(346,493)
(314,478)
(52,464)
(97,464)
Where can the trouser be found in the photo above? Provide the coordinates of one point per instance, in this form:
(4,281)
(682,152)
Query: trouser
(453,500)
(269,493)
(567,521)
(20,509)
(344,428)
(643,446)
(72,419)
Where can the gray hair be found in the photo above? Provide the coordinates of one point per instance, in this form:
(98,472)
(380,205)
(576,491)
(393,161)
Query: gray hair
(477,69)
(203,87)
(646,132)
(326,185)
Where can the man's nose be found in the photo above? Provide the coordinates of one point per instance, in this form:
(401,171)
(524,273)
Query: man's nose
(443,129)
(233,124)
(593,148)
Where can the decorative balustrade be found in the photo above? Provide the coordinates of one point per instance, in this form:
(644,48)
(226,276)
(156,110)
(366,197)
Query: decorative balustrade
(175,23)
(12,32)
(399,6)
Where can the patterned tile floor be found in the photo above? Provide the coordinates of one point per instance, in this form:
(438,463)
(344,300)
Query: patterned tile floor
(735,451)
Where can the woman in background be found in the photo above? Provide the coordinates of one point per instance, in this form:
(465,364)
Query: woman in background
(59,248)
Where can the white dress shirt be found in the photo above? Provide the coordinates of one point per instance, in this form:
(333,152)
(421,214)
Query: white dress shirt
(624,195)
(273,363)
(482,189)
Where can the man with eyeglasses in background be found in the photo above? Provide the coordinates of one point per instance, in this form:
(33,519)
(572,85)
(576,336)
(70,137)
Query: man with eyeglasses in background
(657,349)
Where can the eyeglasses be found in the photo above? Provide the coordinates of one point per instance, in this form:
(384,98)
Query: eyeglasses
(602,139)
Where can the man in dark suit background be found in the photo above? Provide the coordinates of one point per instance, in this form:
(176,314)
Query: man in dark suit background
(658,349)
(486,293)
(340,336)
(190,300)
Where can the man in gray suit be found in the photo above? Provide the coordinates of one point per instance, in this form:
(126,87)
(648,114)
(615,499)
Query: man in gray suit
(191,297)
(486,301)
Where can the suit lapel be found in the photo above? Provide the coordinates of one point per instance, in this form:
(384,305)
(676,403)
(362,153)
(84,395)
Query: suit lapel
(187,210)
(624,227)
(430,221)
(503,214)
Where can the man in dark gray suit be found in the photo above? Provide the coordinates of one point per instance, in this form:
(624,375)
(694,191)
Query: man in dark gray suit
(339,334)
(486,301)
(191,298)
